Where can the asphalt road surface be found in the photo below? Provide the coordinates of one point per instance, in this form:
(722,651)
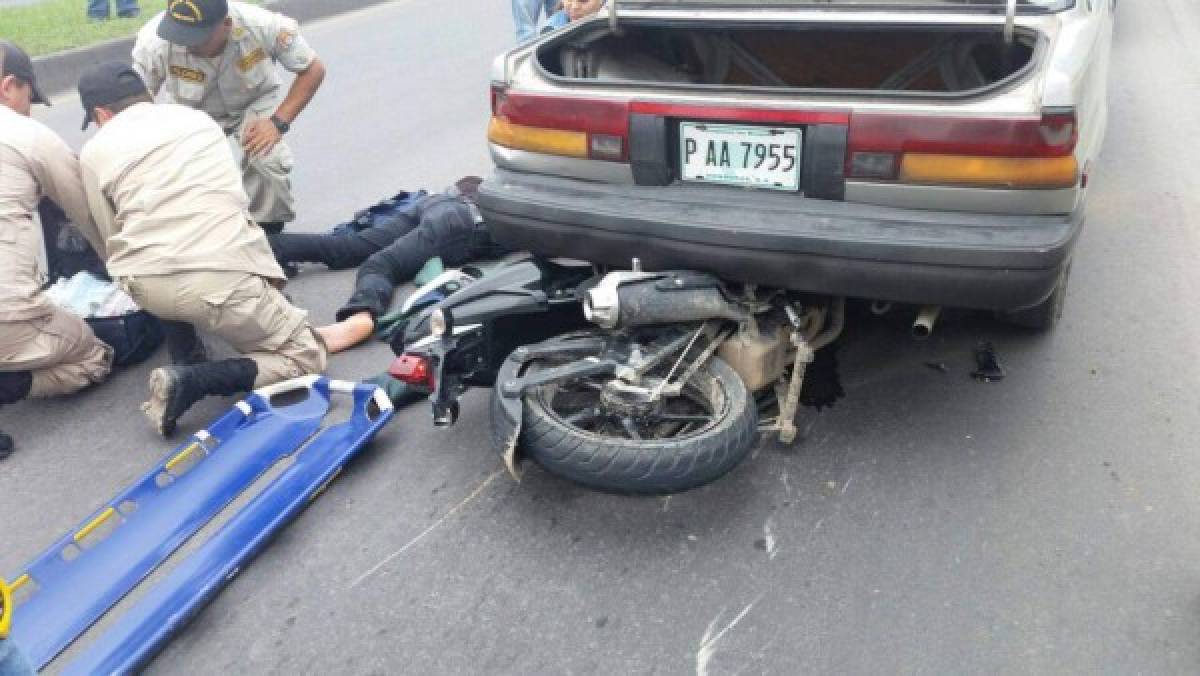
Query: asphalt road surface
(927,524)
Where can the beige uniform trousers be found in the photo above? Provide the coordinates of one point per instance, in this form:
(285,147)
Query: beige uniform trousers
(242,309)
(59,349)
(266,179)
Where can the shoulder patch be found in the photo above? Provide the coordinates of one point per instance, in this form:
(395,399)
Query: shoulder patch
(188,74)
(250,60)
(238,33)
(285,40)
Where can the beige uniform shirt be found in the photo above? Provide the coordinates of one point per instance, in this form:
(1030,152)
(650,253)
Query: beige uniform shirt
(242,78)
(167,197)
(34,163)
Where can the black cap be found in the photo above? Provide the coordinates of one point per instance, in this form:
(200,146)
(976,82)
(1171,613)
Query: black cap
(14,61)
(190,22)
(107,83)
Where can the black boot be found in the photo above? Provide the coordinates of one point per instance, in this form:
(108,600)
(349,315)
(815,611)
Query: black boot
(173,389)
(183,345)
(14,386)
(272,227)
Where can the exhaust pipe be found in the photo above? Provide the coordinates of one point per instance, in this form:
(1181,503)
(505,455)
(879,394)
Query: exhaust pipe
(927,316)
(629,299)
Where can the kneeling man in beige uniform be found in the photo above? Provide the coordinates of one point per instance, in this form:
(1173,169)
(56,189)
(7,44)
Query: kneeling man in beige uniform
(44,350)
(169,204)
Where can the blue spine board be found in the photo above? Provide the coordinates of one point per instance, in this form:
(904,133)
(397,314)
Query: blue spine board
(166,609)
(70,595)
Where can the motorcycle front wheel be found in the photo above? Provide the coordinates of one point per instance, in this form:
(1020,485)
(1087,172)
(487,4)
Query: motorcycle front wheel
(581,431)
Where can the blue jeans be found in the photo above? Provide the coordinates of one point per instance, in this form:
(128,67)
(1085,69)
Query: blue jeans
(98,9)
(12,662)
(525,16)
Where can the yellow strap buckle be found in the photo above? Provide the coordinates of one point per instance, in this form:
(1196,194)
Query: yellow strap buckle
(6,608)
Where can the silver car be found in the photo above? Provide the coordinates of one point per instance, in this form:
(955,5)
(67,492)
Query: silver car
(920,151)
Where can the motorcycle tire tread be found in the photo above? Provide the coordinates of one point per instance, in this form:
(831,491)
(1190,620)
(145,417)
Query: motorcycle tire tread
(662,467)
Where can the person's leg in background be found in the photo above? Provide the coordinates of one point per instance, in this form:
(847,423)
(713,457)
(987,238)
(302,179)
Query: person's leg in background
(128,9)
(525,18)
(97,10)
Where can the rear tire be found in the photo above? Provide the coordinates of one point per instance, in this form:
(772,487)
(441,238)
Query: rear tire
(1045,315)
(644,466)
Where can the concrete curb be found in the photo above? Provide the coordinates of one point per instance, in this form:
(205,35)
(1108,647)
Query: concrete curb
(59,72)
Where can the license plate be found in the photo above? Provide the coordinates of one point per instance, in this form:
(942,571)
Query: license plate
(753,157)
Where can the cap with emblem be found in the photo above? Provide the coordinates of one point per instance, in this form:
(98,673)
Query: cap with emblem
(14,61)
(107,83)
(190,22)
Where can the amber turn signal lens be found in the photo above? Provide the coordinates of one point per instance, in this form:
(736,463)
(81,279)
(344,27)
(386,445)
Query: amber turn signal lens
(990,172)
(538,139)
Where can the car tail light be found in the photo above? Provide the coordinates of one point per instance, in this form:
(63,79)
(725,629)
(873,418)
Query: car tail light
(1019,152)
(538,139)
(554,125)
(414,370)
(989,171)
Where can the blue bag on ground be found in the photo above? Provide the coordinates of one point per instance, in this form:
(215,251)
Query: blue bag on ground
(379,213)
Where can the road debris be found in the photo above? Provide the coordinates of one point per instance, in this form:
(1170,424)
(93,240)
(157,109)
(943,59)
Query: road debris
(987,364)
(445,517)
(708,643)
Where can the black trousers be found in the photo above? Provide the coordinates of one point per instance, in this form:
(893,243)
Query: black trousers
(392,252)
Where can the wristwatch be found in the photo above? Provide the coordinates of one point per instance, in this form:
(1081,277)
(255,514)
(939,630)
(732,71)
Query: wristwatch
(282,126)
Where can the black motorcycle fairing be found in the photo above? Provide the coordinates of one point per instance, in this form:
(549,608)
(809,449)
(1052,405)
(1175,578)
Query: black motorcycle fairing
(525,287)
(522,303)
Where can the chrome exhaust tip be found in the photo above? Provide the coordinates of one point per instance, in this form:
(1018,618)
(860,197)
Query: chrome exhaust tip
(927,317)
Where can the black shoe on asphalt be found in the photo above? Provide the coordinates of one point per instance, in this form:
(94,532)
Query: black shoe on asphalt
(290,269)
(174,389)
(6,445)
(272,227)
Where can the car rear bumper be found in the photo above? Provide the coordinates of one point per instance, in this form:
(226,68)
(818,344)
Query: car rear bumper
(986,261)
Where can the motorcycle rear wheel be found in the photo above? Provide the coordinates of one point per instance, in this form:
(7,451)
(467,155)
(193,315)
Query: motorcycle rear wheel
(718,421)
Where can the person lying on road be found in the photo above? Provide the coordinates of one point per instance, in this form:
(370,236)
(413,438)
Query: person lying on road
(168,204)
(44,350)
(447,225)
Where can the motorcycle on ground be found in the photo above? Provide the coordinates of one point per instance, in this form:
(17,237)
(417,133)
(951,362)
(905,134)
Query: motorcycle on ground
(629,381)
